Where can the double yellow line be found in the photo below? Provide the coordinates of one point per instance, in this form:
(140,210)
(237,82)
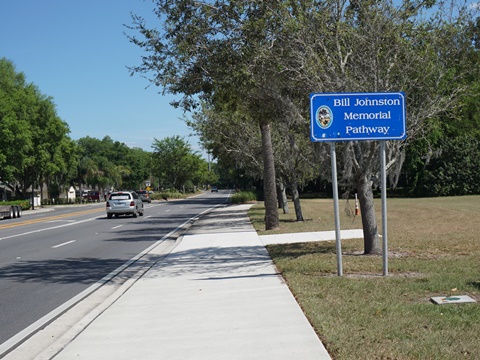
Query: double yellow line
(50,218)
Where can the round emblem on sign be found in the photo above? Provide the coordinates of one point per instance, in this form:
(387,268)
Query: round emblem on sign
(324,117)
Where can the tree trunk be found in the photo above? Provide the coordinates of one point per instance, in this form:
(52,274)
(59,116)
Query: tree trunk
(269,186)
(48,183)
(371,239)
(282,198)
(296,201)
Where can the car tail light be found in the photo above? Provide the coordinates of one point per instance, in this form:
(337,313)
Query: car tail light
(132,203)
(108,205)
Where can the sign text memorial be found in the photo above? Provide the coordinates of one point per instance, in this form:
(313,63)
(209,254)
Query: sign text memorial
(357,116)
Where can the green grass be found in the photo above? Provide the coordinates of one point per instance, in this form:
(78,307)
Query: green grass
(434,250)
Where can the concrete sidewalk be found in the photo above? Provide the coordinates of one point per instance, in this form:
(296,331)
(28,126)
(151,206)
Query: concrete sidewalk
(310,236)
(217,295)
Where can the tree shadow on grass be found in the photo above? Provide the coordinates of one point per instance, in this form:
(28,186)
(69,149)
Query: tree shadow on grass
(297,250)
(294,221)
(475,284)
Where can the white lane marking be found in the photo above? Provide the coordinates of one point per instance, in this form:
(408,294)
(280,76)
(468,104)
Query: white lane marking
(116,227)
(149,216)
(167,210)
(82,221)
(54,221)
(50,228)
(63,244)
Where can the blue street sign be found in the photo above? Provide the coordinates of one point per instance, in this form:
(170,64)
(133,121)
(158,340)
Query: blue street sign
(357,116)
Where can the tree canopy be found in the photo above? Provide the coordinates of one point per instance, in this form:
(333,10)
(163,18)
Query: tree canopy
(34,140)
(111,164)
(175,163)
(259,60)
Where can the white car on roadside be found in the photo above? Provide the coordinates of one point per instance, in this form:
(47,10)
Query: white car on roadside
(124,203)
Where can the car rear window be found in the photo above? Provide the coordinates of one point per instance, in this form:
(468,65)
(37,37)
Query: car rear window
(120,197)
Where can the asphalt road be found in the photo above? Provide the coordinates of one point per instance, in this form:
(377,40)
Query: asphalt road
(48,258)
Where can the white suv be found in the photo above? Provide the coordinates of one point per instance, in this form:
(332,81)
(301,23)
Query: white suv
(124,203)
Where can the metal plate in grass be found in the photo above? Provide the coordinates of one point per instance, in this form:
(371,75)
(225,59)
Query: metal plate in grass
(454,299)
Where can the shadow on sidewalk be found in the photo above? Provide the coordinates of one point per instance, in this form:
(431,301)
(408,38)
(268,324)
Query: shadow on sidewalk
(215,263)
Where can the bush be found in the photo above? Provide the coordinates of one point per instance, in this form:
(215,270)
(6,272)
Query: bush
(244,197)
(453,171)
(166,195)
(189,187)
(25,204)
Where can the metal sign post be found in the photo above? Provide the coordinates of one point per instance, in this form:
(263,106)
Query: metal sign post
(336,209)
(384,208)
(358,117)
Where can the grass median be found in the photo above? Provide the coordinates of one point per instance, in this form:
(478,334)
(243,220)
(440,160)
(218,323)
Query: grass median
(434,250)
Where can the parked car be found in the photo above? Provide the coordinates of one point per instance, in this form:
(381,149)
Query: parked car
(82,193)
(124,203)
(214,189)
(144,195)
(92,196)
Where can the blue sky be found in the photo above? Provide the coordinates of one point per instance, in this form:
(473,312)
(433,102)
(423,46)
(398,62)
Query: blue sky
(77,53)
